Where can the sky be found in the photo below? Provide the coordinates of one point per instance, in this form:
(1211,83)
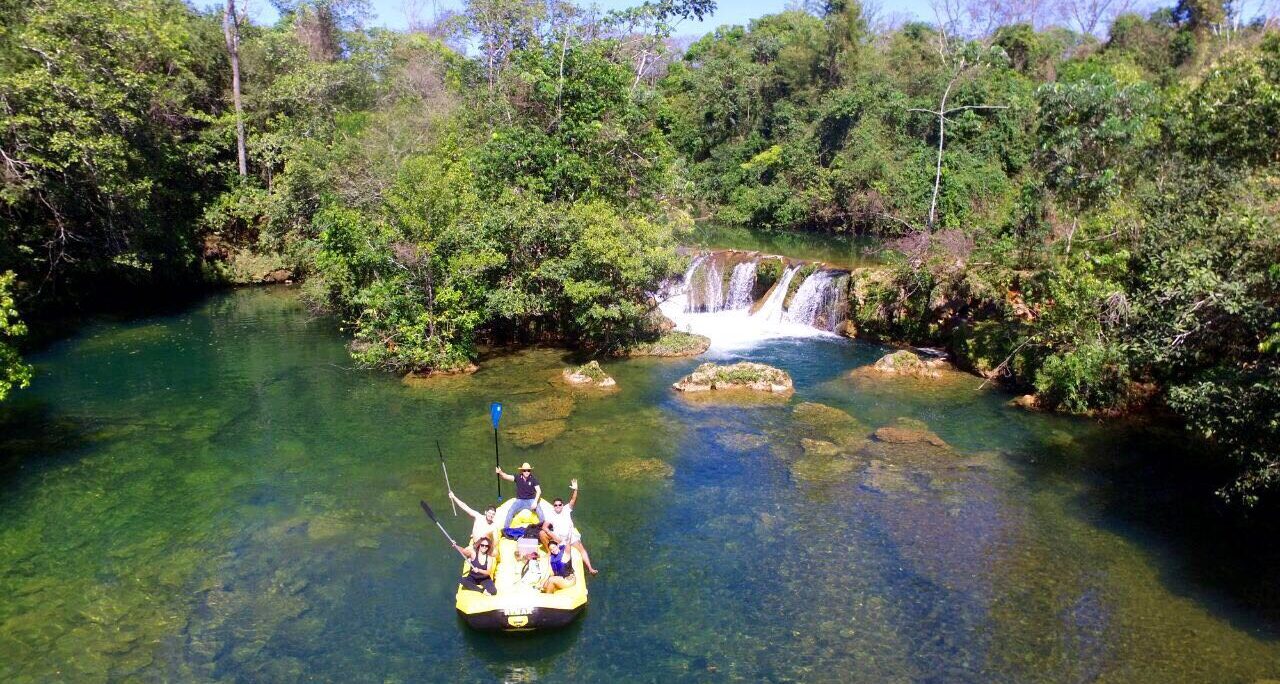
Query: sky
(392,13)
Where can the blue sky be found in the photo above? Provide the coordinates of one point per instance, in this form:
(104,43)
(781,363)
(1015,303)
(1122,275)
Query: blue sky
(391,13)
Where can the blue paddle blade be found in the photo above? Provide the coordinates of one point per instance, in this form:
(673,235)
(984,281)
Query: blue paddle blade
(495,414)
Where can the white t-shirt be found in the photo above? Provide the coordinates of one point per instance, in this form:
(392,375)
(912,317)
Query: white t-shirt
(561,523)
(482,528)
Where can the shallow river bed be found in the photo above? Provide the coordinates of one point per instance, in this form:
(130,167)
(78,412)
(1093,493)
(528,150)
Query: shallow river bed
(217,495)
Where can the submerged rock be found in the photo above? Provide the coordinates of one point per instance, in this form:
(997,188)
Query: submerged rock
(671,344)
(818,447)
(426,378)
(832,424)
(589,375)
(745,375)
(532,434)
(637,468)
(544,408)
(908,431)
(741,441)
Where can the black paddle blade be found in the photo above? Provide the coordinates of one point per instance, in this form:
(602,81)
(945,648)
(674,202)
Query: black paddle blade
(430,514)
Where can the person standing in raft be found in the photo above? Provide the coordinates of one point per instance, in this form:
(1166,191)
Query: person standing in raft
(482,524)
(479,574)
(528,491)
(560,519)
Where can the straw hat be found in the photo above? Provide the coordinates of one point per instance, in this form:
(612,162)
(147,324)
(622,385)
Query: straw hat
(525,466)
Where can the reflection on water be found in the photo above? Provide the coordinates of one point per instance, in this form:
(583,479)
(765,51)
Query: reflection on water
(217,495)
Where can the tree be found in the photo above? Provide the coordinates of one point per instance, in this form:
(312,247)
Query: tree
(231,27)
(14,374)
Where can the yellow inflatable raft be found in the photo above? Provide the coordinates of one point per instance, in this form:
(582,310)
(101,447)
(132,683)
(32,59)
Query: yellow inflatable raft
(519,605)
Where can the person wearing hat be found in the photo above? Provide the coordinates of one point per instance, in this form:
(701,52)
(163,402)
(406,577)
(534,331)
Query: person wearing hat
(528,491)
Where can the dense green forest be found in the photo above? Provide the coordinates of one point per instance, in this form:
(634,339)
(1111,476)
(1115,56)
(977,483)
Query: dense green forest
(1090,217)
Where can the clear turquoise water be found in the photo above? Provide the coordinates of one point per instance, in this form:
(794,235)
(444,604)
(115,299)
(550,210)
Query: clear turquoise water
(216,495)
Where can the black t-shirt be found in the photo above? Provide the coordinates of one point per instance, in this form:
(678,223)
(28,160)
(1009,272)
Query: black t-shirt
(525,485)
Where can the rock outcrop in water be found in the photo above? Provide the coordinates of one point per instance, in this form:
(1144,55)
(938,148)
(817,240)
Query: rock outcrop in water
(756,377)
(908,364)
(589,374)
(672,344)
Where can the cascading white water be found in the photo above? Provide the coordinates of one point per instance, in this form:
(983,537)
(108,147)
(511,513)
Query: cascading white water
(815,295)
(771,310)
(693,268)
(742,284)
(733,327)
(713,288)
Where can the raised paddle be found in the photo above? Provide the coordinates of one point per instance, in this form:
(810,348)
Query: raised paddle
(446,478)
(495,415)
(427,510)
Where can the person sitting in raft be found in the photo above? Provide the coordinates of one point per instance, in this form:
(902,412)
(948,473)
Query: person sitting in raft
(561,528)
(482,524)
(531,573)
(561,569)
(528,491)
(479,574)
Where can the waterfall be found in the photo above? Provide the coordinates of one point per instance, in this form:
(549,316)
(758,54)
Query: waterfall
(771,310)
(693,268)
(713,288)
(815,296)
(741,284)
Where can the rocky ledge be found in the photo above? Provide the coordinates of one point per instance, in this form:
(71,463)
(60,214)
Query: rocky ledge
(672,343)
(589,375)
(739,376)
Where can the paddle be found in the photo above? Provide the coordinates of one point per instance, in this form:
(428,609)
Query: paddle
(432,515)
(446,478)
(495,415)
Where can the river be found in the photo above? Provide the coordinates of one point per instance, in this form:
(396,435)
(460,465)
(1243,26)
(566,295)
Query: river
(216,494)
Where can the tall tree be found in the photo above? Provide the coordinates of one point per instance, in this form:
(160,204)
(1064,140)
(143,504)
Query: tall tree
(231,29)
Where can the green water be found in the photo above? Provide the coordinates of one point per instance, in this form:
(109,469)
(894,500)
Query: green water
(845,251)
(216,495)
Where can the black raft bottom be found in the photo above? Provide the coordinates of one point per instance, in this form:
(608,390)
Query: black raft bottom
(539,618)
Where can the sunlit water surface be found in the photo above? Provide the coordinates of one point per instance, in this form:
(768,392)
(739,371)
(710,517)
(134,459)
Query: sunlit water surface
(217,495)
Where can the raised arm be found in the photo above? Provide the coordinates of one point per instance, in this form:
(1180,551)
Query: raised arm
(465,508)
(573,500)
(508,478)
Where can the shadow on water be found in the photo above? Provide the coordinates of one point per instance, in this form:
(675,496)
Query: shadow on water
(32,434)
(511,656)
(1161,497)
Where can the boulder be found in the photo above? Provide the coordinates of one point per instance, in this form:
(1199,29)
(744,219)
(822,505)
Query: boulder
(847,328)
(1029,402)
(906,363)
(279,275)
(744,375)
(589,375)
